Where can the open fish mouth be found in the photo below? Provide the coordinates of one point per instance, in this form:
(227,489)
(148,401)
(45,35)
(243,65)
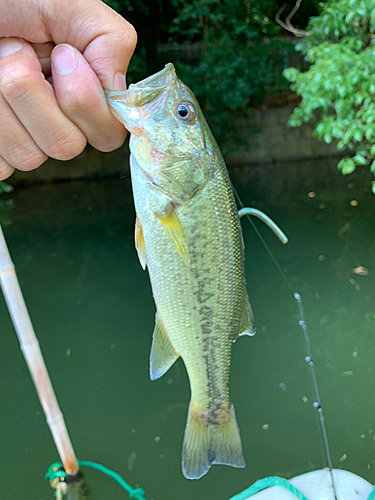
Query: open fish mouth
(146,90)
(164,77)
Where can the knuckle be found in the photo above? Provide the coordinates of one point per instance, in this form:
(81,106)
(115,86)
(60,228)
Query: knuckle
(68,147)
(131,36)
(107,143)
(76,104)
(15,84)
(27,160)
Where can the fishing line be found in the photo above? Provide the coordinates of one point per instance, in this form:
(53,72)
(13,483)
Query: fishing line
(317,404)
(309,359)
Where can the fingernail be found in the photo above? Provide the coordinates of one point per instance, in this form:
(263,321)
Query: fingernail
(9,46)
(119,82)
(64,60)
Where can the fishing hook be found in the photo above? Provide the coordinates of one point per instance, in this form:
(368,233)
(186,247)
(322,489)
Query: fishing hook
(269,222)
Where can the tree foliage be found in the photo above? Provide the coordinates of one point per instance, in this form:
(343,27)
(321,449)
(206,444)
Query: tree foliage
(238,48)
(239,59)
(5,188)
(240,55)
(339,87)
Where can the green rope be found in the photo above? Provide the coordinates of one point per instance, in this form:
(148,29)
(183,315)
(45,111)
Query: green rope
(268,482)
(136,493)
(55,472)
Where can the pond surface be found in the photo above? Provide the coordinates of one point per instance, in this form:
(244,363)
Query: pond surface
(93,312)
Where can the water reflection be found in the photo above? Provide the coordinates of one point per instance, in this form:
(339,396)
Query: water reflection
(93,311)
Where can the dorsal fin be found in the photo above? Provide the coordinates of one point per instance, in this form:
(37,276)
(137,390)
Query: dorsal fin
(163,354)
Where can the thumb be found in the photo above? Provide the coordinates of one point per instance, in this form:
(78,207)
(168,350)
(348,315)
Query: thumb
(106,40)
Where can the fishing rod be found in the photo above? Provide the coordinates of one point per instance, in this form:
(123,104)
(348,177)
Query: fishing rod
(66,477)
(34,359)
(302,323)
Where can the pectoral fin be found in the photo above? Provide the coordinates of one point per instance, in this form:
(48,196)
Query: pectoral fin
(247,325)
(163,354)
(173,227)
(140,243)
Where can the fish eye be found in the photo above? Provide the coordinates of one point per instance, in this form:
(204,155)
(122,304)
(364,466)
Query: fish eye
(185,111)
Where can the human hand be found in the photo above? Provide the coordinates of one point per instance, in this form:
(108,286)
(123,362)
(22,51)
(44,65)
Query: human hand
(84,46)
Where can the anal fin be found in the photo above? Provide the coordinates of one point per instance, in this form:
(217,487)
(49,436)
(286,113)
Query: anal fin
(247,324)
(163,354)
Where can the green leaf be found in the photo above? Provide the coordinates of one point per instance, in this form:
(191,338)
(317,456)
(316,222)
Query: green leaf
(327,138)
(5,188)
(370,132)
(350,16)
(320,128)
(360,159)
(290,74)
(346,165)
(358,134)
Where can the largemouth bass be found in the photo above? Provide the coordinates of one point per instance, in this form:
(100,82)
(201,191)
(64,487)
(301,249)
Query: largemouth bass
(188,235)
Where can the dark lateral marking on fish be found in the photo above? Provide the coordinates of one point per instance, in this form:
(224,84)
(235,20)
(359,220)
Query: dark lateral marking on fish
(206,313)
(219,415)
(206,328)
(214,394)
(218,395)
(201,295)
(205,310)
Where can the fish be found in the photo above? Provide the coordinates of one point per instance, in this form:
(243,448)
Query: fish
(188,236)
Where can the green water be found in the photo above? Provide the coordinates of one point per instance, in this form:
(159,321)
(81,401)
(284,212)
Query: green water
(92,309)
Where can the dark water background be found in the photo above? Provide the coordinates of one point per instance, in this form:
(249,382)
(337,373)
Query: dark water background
(92,309)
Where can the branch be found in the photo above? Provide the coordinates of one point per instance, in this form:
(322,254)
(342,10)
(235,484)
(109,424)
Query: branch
(288,25)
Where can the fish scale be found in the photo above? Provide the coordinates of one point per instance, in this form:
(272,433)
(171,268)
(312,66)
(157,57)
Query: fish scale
(188,234)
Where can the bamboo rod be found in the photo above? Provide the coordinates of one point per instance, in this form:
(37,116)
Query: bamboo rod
(34,359)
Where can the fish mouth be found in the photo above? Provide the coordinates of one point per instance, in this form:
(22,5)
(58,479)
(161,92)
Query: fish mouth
(162,78)
(148,89)
(139,94)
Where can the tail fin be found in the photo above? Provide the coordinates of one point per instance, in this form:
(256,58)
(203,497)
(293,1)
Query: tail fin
(210,439)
